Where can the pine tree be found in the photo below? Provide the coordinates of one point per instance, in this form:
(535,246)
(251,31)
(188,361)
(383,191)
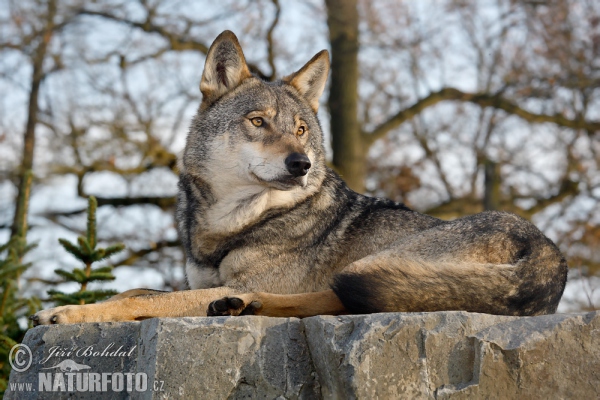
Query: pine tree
(12,305)
(85,251)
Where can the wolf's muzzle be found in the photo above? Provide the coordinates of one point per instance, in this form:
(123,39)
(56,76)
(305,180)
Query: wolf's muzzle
(297,164)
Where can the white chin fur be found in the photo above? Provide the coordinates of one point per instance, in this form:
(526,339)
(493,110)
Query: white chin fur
(244,188)
(244,205)
(283,182)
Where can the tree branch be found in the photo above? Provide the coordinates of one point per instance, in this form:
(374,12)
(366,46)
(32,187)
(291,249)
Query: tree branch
(270,46)
(457,207)
(176,41)
(133,256)
(481,99)
(162,202)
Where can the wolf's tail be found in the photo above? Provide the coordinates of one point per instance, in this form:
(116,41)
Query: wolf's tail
(391,282)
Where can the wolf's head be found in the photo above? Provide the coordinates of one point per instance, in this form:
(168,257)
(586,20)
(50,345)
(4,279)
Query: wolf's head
(253,136)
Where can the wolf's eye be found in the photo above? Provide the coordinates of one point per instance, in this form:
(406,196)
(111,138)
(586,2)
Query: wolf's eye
(257,121)
(301,130)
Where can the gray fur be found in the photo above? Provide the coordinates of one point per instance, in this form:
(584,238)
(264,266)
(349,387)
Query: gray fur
(256,233)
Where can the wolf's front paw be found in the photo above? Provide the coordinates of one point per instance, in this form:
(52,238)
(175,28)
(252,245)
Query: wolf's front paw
(233,306)
(59,315)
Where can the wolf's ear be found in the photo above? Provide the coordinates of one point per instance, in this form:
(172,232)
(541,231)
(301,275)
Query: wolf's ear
(310,79)
(225,68)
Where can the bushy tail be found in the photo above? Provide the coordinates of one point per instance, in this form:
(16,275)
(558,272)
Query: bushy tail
(531,286)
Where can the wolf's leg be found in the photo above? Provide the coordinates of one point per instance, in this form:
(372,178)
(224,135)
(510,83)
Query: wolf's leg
(279,305)
(140,305)
(391,282)
(134,293)
(492,263)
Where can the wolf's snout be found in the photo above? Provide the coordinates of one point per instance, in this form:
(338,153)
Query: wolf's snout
(297,164)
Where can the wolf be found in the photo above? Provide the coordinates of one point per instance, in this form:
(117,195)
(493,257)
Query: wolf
(69,366)
(269,229)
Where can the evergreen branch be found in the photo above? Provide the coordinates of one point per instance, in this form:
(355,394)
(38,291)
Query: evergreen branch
(98,254)
(80,276)
(101,276)
(68,276)
(12,305)
(87,253)
(113,249)
(6,342)
(18,304)
(86,296)
(106,269)
(33,305)
(71,248)
(12,270)
(85,246)
(30,247)
(62,299)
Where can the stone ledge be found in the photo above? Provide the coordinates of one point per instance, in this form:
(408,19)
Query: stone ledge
(395,355)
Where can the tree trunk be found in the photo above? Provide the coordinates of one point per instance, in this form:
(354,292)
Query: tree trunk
(37,76)
(491,195)
(349,151)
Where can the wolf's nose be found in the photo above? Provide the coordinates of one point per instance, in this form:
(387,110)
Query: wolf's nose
(297,164)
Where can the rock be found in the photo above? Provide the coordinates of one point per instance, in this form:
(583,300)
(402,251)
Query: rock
(397,355)
(52,345)
(394,355)
(228,357)
(544,357)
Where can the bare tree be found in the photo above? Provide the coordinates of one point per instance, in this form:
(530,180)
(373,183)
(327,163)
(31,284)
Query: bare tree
(33,29)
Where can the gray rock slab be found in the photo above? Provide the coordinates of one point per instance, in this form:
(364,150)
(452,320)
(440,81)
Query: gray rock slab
(60,350)
(380,356)
(228,358)
(209,358)
(553,356)
(394,355)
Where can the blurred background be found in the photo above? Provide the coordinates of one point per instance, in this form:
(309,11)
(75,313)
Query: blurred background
(452,107)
